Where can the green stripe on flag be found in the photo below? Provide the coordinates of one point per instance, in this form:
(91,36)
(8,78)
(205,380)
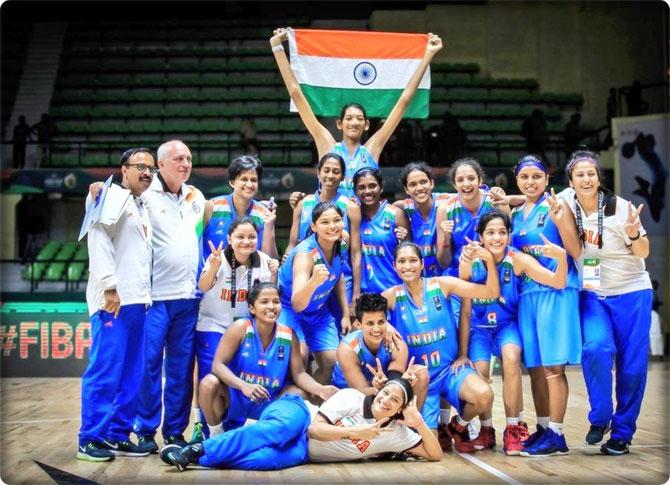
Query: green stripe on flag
(378,103)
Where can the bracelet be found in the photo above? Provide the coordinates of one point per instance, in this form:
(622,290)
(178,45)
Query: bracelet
(277,48)
(636,237)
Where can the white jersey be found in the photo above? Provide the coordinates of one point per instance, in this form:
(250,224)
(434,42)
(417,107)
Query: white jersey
(120,257)
(620,270)
(347,408)
(216,309)
(177,224)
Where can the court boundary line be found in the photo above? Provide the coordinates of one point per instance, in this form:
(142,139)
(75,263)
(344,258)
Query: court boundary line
(37,421)
(490,469)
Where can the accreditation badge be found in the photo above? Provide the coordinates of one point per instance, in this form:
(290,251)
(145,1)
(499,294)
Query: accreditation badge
(591,273)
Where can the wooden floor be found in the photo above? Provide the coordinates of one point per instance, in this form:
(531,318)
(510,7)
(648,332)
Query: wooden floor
(40,421)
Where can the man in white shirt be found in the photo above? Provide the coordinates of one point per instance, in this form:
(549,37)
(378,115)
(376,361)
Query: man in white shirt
(118,293)
(348,426)
(176,211)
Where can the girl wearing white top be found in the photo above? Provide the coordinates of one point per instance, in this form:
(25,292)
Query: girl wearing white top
(615,302)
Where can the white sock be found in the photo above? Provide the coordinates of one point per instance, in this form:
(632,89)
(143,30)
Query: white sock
(543,421)
(512,421)
(556,427)
(487,422)
(215,430)
(445,415)
(522,416)
(460,421)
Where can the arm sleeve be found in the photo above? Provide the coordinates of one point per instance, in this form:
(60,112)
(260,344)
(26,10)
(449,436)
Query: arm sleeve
(101,254)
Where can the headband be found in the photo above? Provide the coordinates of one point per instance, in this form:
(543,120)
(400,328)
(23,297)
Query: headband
(399,383)
(529,162)
(576,160)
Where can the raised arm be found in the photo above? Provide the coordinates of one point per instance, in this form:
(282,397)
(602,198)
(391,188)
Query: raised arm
(444,227)
(307,277)
(526,264)
(354,215)
(322,137)
(269,243)
(376,143)
(467,289)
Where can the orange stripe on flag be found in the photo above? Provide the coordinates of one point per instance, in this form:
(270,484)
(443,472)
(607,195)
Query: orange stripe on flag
(360,45)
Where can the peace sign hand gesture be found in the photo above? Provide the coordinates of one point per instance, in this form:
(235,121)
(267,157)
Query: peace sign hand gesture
(378,376)
(411,416)
(369,431)
(549,249)
(633,225)
(556,208)
(410,373)
(214,258)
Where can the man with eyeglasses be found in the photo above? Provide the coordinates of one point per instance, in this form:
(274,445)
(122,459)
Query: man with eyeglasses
(118,294)
(176,213)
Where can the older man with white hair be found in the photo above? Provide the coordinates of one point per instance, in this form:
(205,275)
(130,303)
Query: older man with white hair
(176,213)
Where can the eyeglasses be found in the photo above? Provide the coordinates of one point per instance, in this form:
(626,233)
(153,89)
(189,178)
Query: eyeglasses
(142,167)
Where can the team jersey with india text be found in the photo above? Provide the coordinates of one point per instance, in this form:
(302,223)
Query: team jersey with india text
(223,215)
(430,330)
(360,159)
(620,270)
(378,243)
(490,312)
(347,408)
(355,340)
(465,225)
(424,231)
(216,307)
(526,234)
(268,367)
(324,290)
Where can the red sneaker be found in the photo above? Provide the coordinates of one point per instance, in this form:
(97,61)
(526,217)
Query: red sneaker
(512,439)
(486,439)
(443,437)
(461,437)
(524,434)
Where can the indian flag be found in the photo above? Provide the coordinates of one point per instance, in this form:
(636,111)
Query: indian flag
(337,67)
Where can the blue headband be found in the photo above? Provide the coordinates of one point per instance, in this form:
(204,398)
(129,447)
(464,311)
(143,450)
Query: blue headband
(529,162)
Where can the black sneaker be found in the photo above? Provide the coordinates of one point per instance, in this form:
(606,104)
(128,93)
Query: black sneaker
(148,444)
(94,452)
(596,435)
(176,439)
(615,447)
(182,457)
(124,448)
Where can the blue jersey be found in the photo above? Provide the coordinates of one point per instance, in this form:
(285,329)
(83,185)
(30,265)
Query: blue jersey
(268,367)
(378,243)
(490,312)
(324,290)
(424,232)
(360,159)
(308,204)
(223,215)
(356,341)
(465,225)
(430,332)
(526,234)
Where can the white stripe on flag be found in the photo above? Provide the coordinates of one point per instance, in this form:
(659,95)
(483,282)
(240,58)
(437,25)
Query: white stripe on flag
(334,72)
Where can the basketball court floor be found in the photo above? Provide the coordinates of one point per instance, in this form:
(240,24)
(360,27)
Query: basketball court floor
(40,421)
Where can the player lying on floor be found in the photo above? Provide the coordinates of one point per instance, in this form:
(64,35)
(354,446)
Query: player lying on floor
(348,426)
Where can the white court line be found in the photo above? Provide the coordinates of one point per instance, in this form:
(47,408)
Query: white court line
(597,447)
(490,469)
(35,421)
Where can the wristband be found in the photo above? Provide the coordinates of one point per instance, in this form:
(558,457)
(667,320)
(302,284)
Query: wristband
(277,48)
(636,237)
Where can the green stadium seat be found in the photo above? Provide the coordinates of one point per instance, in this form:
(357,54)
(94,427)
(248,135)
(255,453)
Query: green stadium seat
(75,271)
(48,251)
(34,271)
(54,272)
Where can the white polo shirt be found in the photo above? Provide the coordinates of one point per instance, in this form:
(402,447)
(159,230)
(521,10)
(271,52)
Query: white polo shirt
(216,309)
(620,270)
(120,257)
(346,408)
(177,231)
